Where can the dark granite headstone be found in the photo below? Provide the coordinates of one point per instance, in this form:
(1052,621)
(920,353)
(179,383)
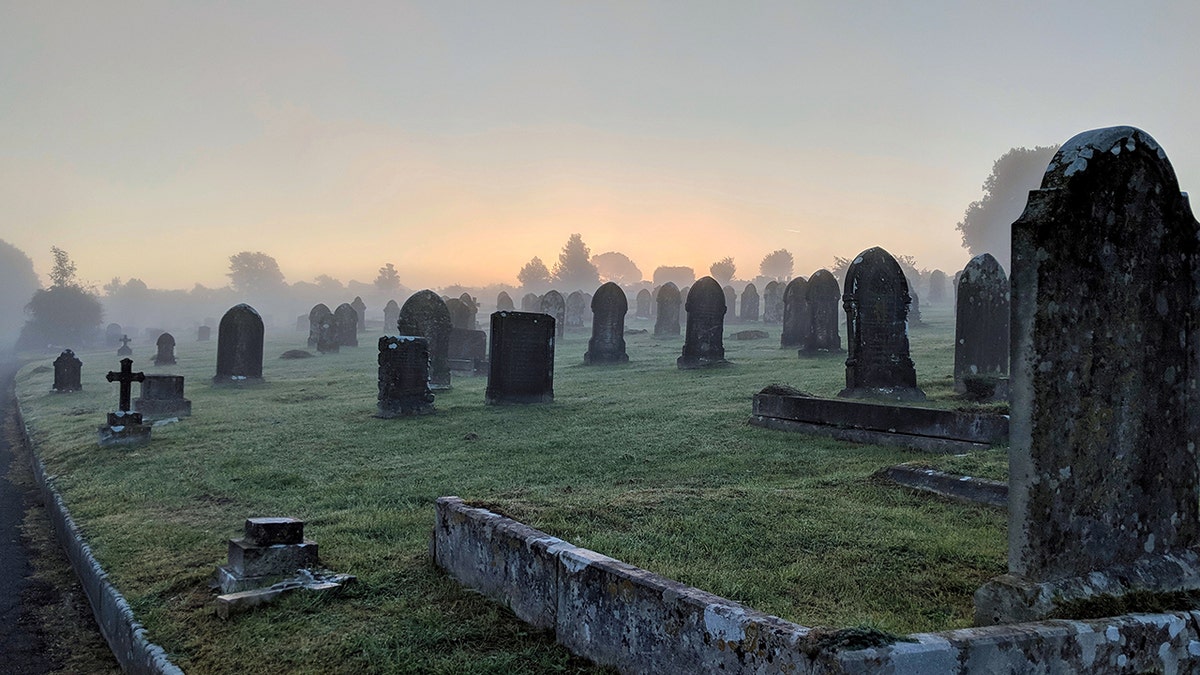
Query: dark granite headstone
(203,333)
(124,349)
(239,346)
(574,310)
(552,303)
(391,314)
(345,325)
(876,300)
(68,370)
(772,299)
(981,323)
(824,300)
(797,315)
(404,376)
(703,344)
(460,314)
(522,358)
(321,333)
(531,303)
(643,304)
(468,350)
(504,302)
(166,350)
(749,303)
(360,310)
(609,307)
(113,334)
(425,315)
(937,287)
(1104,492)
(730,303)
(162,397)
(666,324)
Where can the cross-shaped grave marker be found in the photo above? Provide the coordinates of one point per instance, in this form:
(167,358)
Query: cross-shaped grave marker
(124,346)
(126,377)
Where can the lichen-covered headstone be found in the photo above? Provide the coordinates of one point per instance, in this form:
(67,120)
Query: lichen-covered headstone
(239,346)
(878,363)
(643,304)
(824,305)
(360,310)
(797,317)
(981,322)
(530,302)
(552,303)
(609,307)
(404,376)
(749,303)
(703,343)
(165,345)
(730,302)
(521,369)
(425,315)
(1104,493)
(504,302)
(666,324)
(345,325)
(772,299)
(937,287)
(574,310)
(68,370)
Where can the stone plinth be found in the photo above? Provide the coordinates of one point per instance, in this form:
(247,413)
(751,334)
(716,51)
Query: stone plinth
(124,428)
(270,549)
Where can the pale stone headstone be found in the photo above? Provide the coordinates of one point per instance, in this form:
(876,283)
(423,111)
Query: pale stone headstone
(239,346)
(574,311)
(113,334)
(203,333)
(937,287)
(609,307)
(521,369)
(703,343)
(552,303)
(878,364)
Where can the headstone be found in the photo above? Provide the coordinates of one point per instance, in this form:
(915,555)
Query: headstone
(203,333)
(937,287)
(797,316)
(654,303)
(460,314)
(321,333)
(468,350)
(522,358)
(113,334)
(239,346)
(666,324)
(573,313)
(531,303)
(472,306)
(730,303)
(162,397)
(425,315)
(391,314)
(878,364)
(68,370)
(643,304)
(552,303)
(703,344)
(683,295)
(772,299)
(587,308)
(345,325)
(124,427)
(609,307)
(272,549)
(749,303)
(914,307)
(124,349)
(981,324)
(301,323)
(166,350)
(1104,492)
(360,310)
(824,298)
(404,376)
(504,302)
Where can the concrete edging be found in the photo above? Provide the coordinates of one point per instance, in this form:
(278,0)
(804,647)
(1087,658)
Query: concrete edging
(962,488)
(125,635)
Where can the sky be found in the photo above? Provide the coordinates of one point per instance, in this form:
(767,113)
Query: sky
(457,140)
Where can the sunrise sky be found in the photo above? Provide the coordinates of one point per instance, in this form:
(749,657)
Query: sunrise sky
(459,139)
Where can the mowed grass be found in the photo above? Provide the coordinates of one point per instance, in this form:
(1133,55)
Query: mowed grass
(643,462)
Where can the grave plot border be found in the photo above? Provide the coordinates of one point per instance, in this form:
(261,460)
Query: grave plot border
(969,489)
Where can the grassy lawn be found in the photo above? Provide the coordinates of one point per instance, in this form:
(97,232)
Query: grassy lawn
(643,462)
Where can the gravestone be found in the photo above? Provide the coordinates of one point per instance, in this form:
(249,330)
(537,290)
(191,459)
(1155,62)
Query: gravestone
(1103,482)
(666,324)
(703,344)
(203,333)
(981,323)
(468,350)
(166,350)
(472,309)
(124,349)
(823,296)
(504,302)
(113,334)
(797,315)
(654,303)
(360,310)
(239,346)
(878,364)
(321,333)
(301,323)
(460,314)
(345,325)
(914,307)
(404,376)
(937,287)
(162,397)
(609,307)
(124,427)
(552,303)
(272,549)
(587,307)
(391,314)
(68,371)
(683,295)
(643,304)
(772,299)
(531,303)
(749,304)
(522,358)
(425,315)
(730,303)
(573,313)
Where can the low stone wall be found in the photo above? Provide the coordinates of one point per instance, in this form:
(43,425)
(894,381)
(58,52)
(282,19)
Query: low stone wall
(638,622)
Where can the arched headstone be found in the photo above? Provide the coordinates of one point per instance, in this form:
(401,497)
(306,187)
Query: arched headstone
(982,322)
(552,303)
(703,344)
(360,309)
(472,310)
(531,303)
(461,316)
(504,302)
(878,363)
(797,316)
(666,324)
(345,325)
(425,315)
(643,304)
(730,302)
(609,307)
(749,311)
(391,314)
(824,300)
(937,287)
(239,346)
(68,370)
(574,310)
(165,355)
(320,329)
(772,310)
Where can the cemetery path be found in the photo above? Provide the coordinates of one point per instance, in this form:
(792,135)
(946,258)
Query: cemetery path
(46,624)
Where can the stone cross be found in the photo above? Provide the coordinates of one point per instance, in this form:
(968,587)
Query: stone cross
(126,377)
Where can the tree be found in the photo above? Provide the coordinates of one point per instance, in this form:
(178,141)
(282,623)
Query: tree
(680,276)
(63,272)
(328,283)
(253,272)
(18,283)
(388,279)
(574,269)
(617,268)
(66,314)
(777,265)
(534,274)
(986,226)
(723,270)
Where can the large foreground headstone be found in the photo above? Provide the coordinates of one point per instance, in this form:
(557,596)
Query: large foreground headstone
(878,364)
(609,307)
(981,322)
(522,358)
(239,346)
(703,344)
(165,346)
(345,325)
(162,397)
(797,316)
(824,298)
(666,324)
(555,305)
(68,371)
(425,315)
(404,376)
(749,310)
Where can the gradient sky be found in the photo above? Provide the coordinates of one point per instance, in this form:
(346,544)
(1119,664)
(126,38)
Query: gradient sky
(459,139)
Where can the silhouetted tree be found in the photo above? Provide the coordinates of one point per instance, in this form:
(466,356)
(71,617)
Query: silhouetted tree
(328,283)
(723,270)
(680,276)
(253,272)
(66,314)
(18,283)
(534,274)
(617,268)
(777,265)
(388,279)
(574,269)
(986,226)
(62,274)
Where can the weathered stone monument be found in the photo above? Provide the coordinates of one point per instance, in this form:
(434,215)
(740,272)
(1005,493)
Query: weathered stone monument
(472,306)
(345,325)
(522,358)
(203,333)
(404,376)
(165,355)
(425,315)
(937,287)
(730,303)
(113,334)
(609,307)
(162,397)
(824,298)
(391,314)
(68,371)
(461,316)
(749,312)
(124,427)
(643,304)
(531,303)
(574,310)
(239,346)
(1104,492)
(772,299)
(468,350)
(797,316)
(878,364)
(666,324)
(981,322)
(703,343)
(552,303)
(914,307)
(321,332)
(360,311)
(504,302)
(124,349)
